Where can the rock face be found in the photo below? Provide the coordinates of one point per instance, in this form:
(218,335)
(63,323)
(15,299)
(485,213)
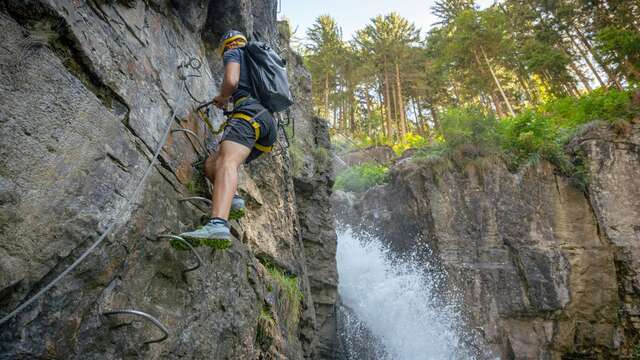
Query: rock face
(87,91)
(313,194)
(546,270)
(313,181)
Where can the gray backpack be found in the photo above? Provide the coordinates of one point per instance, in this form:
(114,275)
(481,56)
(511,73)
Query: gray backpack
(268,73)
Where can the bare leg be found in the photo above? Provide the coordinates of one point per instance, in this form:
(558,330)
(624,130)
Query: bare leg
(210,167)
(230,156)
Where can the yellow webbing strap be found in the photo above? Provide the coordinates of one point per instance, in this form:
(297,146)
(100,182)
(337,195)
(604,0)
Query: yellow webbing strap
(256,127)
(203,116)
(255,124)
(264,149)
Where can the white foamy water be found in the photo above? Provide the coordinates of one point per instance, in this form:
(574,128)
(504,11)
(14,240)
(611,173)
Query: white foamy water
(394,301)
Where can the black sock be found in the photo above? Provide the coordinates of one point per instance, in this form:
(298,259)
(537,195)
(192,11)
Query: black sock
(220,219)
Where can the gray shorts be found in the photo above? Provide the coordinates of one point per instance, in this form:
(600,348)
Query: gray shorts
(240,131)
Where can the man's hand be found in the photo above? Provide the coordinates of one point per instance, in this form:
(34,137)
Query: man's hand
(220,101)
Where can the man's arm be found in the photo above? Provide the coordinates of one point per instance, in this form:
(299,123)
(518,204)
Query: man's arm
(229,83)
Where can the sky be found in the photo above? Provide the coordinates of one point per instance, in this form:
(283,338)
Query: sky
(352,15)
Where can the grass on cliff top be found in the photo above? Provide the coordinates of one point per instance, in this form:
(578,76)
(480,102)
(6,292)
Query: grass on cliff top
(534,134)
(360,178)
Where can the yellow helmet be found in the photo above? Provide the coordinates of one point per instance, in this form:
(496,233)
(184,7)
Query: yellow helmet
(229,37)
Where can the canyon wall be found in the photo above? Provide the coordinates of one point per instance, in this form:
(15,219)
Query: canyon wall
(547,266)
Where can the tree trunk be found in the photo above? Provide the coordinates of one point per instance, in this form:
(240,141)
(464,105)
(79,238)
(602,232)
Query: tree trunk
(326,95)
(343,115)
(383,113)
(495,78)
(496,104)
(387,99)
(587,60)
(581,76)
(352,112)
(524,87)
(596,56)
(419,118)
(368,117)
(415,112)
(420,113)
(434,116)
(401,111)
(395,113)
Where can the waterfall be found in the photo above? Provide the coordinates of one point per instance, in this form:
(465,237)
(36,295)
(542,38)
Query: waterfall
(389,310)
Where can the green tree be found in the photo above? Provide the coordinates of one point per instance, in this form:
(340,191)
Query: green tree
(324,45)
(386,42)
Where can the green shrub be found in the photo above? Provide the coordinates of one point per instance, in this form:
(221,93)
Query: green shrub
(535,134)
(410,141)
(529,137)
(468,125)
(433,152)
(600,104)
(360,178)
(542,133)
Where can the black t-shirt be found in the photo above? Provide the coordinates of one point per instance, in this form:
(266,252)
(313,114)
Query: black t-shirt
(238,56)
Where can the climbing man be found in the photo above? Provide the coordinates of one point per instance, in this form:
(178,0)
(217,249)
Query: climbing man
(249,132)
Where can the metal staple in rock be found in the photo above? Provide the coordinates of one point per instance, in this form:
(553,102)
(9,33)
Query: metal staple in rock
(153,320)
(185,242)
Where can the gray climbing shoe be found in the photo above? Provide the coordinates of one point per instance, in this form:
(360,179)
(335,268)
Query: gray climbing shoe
(238,209)
(214,234)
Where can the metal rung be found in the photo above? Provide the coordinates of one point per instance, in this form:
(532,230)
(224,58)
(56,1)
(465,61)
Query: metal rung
(191,198)
(182,240)
(190,132)
(153,320)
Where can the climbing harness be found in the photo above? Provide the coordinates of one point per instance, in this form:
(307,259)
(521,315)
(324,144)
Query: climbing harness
(250,118)
(154,321)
